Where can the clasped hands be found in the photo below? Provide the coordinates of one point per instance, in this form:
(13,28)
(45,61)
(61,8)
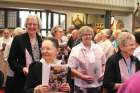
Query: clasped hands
(64,87)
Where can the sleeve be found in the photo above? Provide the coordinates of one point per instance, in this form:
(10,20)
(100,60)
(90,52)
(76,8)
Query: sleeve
(30,82)
(109,75)
(73,62)
(14,56)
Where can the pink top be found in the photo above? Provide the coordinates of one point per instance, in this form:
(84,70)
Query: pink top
(132,85)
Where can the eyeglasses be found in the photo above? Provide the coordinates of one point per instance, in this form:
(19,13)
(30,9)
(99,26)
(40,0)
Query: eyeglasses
(29,24)
(46,49)
(86,34)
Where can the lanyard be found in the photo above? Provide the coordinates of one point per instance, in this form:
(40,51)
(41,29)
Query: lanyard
(129,66)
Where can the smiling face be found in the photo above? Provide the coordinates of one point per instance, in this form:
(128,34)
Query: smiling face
(87,38)
(58,32)
(86,34)
(32,24)
(129,47)
(127,43)
(48,50)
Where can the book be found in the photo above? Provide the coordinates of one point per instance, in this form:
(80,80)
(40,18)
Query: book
(58,75)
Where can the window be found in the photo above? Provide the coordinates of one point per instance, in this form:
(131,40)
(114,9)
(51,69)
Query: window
(22,16)
(55,19)
(2,21)
(44,20)
(49,20)
(12,19)
(63,20)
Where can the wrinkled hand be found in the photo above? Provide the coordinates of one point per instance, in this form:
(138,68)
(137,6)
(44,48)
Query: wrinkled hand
(100,78)
(64,87)
(83,71)
(25,70)
(117,85)
(87,78)
(41,89)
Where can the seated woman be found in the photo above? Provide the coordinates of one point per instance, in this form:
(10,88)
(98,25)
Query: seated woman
(38,80)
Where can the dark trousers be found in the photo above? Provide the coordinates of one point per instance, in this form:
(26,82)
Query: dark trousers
(10,87)
(88,90)
(14,85)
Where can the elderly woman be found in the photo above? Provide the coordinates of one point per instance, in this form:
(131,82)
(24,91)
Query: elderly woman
(122,64)
(25,48)
(86,61)
(58,33)
(37,79)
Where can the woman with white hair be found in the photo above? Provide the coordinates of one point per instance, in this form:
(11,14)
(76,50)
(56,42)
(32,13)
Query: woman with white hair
(122,64)
(41,78)
(86,61)
(24,50)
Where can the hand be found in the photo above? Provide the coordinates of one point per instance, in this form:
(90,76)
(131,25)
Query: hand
(64,87)
(25,70)
(83,71)
(41,89)
(100,78)
(117,85)
(87,78)
(3,46)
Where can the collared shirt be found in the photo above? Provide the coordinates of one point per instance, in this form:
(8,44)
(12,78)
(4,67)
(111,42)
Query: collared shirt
(35,51)
(90,60)
(127,68)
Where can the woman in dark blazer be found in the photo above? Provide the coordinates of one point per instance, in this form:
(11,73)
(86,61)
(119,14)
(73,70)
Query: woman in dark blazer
(37,81)
(24,50)
(121,65)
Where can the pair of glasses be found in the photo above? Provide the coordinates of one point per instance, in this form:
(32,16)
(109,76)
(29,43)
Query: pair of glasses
(87,35)
(29,24)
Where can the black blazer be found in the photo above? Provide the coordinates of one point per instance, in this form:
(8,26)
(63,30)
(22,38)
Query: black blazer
(112,71)
(17,58)
(34,77)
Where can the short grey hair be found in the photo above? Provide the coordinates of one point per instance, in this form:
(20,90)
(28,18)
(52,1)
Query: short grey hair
(55,28)
(108,32)
(124,37)
(36,17)
(85,29)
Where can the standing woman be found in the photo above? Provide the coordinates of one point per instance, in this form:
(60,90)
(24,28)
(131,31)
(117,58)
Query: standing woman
(24,50)
(87,61)
(58,33)
(122,65)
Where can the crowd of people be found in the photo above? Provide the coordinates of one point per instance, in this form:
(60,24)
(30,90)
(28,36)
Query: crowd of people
(103,62)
